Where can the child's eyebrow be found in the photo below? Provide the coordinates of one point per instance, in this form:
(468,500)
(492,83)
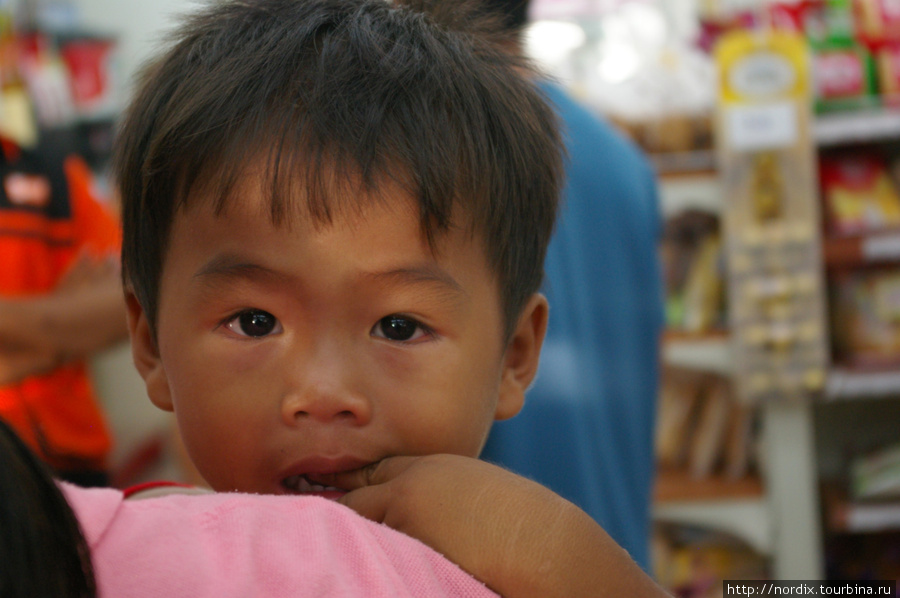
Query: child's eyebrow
(231,266)
(426,274)
(227,266)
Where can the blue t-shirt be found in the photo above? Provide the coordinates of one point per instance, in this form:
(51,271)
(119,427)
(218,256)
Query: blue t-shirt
(586,430)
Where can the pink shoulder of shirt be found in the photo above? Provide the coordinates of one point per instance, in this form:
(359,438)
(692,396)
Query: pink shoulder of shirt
(244,545)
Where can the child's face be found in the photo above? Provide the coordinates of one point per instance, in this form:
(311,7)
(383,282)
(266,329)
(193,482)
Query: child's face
(294,349)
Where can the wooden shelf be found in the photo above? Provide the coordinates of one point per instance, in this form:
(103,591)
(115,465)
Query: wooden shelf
(679,486)
(680,336)
(738,507)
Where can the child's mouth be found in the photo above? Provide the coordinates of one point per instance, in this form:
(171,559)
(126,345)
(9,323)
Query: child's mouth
(299,484)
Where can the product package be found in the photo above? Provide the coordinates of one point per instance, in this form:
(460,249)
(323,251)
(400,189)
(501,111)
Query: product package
(866,317)
(767,167)
(859,194)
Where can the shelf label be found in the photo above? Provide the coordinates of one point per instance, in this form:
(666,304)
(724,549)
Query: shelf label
(884,247)
(759,127)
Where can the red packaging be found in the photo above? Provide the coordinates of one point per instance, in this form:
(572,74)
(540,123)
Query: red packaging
(88,61)
(840,73)
(878,20)
(859,194)
(806,17)
(888,61)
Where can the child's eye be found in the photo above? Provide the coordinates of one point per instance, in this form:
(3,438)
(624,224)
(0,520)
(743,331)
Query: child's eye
(254,323)
(399,328)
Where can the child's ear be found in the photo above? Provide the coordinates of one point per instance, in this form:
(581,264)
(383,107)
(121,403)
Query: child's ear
(523,352)
(146,354)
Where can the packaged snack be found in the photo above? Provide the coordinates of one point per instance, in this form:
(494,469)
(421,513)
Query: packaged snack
(887,57)
(877,19)
(866,317)
(860,195)
(839,21)
(844,75)
(691,257)
(713,27)
(766,163)
(806,17)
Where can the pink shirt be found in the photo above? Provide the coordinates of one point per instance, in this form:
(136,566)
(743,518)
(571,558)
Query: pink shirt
(243,545)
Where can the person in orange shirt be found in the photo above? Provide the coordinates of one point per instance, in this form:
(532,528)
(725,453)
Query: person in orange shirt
(60,301)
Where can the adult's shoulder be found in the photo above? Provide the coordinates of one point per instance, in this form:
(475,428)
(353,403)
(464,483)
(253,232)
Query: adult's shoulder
(589,135)
(95,508)
(230,544)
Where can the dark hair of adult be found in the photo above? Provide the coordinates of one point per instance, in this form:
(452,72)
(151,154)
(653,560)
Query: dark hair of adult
(335,98)
(43,553)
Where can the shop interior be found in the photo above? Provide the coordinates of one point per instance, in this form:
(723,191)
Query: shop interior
(778,420)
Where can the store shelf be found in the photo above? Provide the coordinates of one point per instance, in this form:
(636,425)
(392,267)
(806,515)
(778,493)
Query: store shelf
(683,163)
(858,250)
(673,486)
(848,383)
(706,353)
(846,516)
(697,191)
(707,336)
(839,128)
(737,507)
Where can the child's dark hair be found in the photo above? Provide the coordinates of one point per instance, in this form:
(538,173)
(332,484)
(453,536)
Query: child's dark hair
(343,95)
(513,13)
(43,553)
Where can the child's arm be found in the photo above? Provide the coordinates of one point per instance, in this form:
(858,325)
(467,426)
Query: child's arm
(513,534)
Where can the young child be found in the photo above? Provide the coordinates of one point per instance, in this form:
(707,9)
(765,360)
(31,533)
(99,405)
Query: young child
(335,217)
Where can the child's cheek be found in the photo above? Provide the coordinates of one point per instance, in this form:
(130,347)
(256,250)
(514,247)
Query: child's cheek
(397,360)
(414,369)
(236,357)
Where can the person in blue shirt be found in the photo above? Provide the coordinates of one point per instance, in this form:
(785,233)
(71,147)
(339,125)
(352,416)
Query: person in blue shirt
(587,427)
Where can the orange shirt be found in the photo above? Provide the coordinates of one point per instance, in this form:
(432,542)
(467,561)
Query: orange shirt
(57,414)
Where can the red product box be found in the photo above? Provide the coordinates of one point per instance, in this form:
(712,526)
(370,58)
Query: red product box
(840,73)
(878,19)
(859,194)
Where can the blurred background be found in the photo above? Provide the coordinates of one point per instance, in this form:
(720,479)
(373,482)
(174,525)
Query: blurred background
(777,441)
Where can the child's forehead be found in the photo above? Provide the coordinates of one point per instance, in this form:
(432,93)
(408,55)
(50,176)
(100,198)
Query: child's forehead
(289,194)
(294,194)
(384,222)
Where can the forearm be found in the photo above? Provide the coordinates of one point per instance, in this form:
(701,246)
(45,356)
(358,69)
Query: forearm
(566,555)
(71,323)
(518,537)
(576,558)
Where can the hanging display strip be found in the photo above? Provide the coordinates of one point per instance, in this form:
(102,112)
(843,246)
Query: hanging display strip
(767,168)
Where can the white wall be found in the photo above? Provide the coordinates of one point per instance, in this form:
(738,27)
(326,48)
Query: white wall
(138,26)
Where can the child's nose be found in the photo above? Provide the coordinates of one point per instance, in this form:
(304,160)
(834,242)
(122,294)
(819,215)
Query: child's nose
(325,395)
(325,405)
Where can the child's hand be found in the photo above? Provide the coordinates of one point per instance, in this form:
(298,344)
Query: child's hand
(518,537)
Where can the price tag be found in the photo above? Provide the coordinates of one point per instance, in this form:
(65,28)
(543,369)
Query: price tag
(760,127)
(884,247)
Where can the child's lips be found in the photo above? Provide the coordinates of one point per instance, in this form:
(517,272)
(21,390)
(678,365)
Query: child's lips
(302,477)
(300,484)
